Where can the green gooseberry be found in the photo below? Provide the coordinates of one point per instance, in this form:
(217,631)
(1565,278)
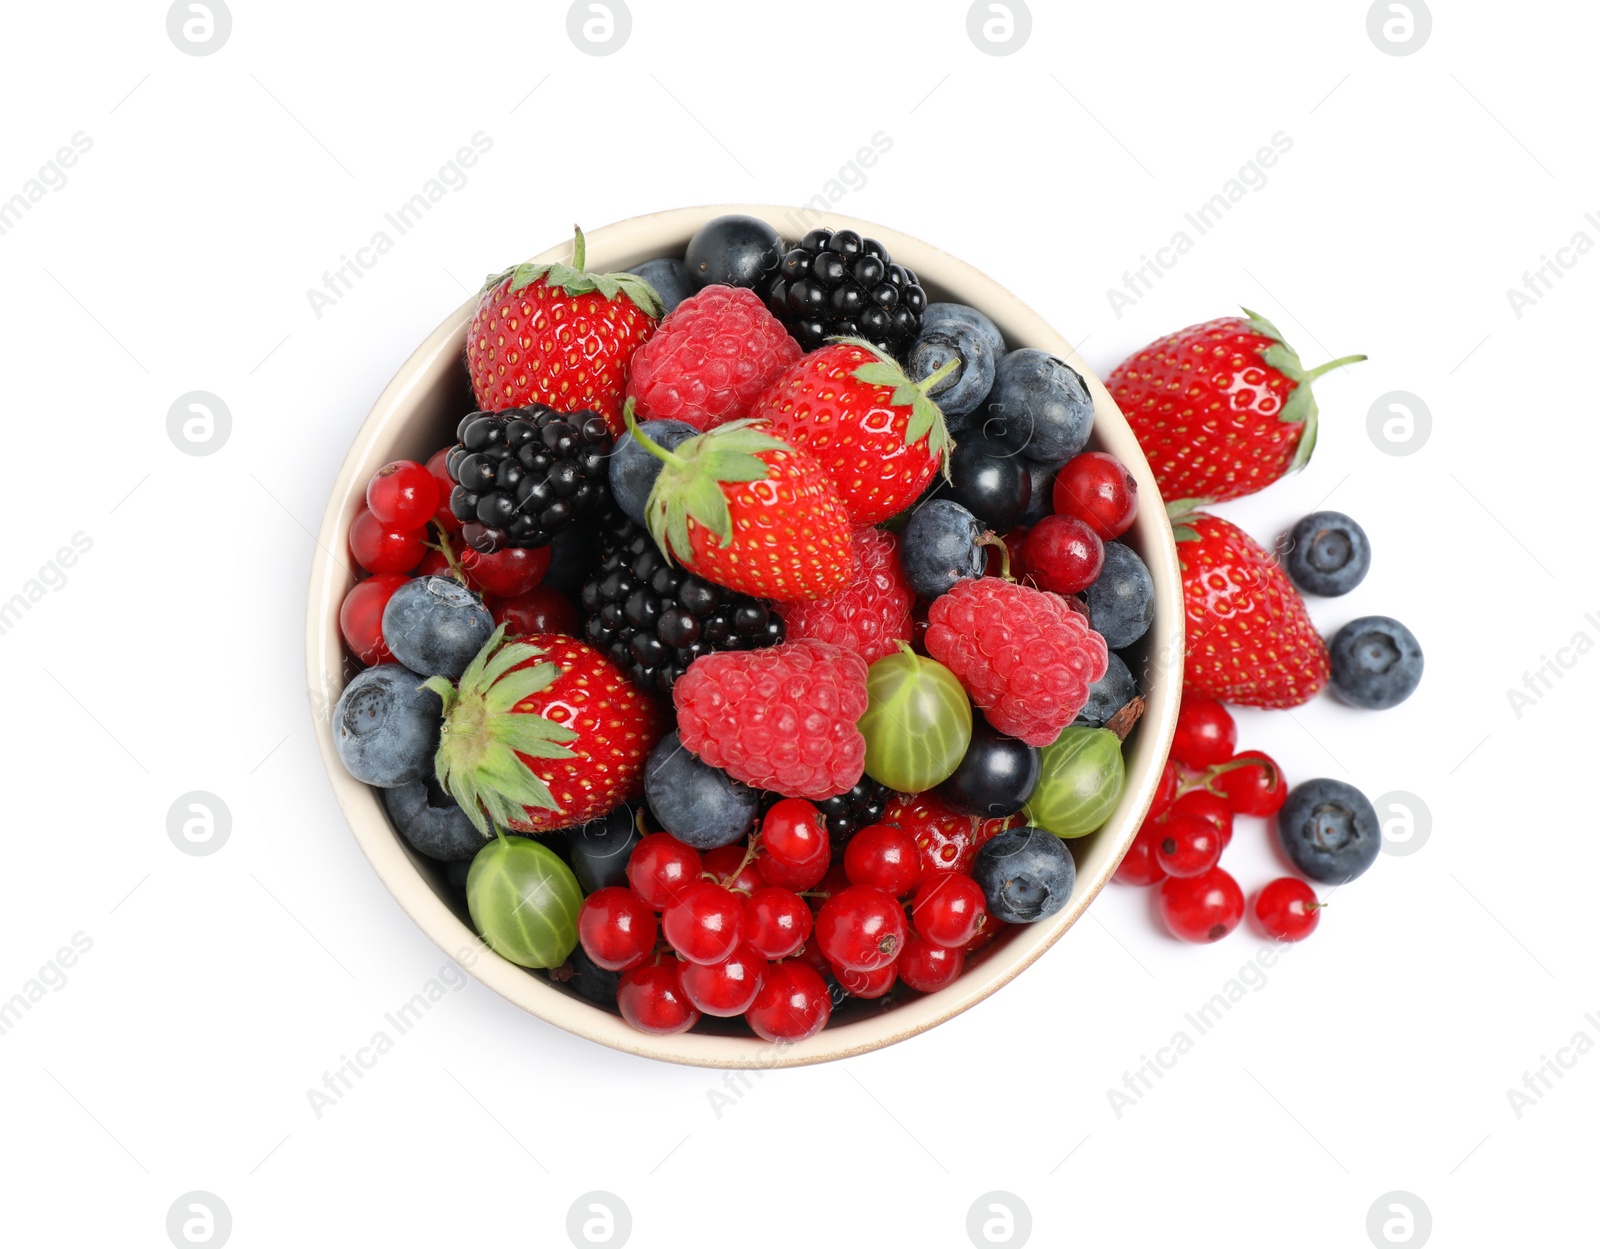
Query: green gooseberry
(524,901)
(918,722)
(1080,781)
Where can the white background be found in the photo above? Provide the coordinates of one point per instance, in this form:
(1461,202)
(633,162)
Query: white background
(219,989)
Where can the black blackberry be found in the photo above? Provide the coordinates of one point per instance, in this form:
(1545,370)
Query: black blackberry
(850,812)
(836,283)
(653,619)
(525,474)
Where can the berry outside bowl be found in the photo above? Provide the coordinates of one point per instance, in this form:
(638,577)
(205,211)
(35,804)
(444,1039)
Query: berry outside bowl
(417,413)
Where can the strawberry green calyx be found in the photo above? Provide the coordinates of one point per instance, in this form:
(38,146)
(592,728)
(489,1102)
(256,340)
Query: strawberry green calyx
(482,737)
(692,476)
(574,280)
(1180,512)
(927,421)
(1300,408)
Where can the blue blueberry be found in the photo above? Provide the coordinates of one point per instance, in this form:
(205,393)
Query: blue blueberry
(1377,662)
(990,482)
(1042,500)
(734,250)
(962,314)
(599,850)
(436,626)
(1329,830)
(591,981)
(700,805)
(1039,406)
(432,821)
(386,726)
(960,392)
(1122,601)
(939,547)
(1328,554)
(1026,874)
(634,470)
(670,277)
(1110,694)
(455,874)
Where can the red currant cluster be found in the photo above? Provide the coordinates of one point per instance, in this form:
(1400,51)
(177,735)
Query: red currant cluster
(389,539)
(757,929)
(1204,785)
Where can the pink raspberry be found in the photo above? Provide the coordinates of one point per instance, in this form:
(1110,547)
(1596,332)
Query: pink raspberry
(1027,660)
(871,614)
(710,359)
(781,719)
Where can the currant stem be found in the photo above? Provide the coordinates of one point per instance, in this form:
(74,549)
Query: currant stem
(447,549)
(989,539)
(1329,367)
(1203,781)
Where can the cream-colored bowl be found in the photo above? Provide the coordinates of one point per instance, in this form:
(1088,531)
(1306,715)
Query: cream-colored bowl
(417,413)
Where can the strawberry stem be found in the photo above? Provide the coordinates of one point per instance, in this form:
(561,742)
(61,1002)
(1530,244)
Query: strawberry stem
(579,249)
(648,443)
(939,374)
(1317,372)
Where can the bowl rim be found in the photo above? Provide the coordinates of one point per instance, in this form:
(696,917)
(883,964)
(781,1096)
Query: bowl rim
(616,246)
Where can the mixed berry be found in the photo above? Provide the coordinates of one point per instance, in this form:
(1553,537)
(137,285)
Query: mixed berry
(766,635)
(739,656)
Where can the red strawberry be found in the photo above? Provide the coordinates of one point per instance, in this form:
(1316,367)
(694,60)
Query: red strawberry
(1221,409)
(749,512)
(873,429)
(553,334)
(1248,637)
(543,732)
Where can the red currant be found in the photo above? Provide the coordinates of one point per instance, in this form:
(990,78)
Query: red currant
(986,934)
(866,984)
(1255,787)
(791,1005)
(861,929)
(1208,806)
(651,998)
(949,909)
(1201,908)
(1139,866)
(617,929)
(403,494)
(1166,789)
(443,516)
(435,564)
(727,988)
(361,617)
(927,967)
(382,548)
(885,857)
(1206,733)
(1187,845)
(661,868)
(508,572)
(777,921)
(705,924)
(1064,554)
(1097,489)
(727,865)
(794,832)
(543,609)
(807,876)
(811,954)
(1287,909)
